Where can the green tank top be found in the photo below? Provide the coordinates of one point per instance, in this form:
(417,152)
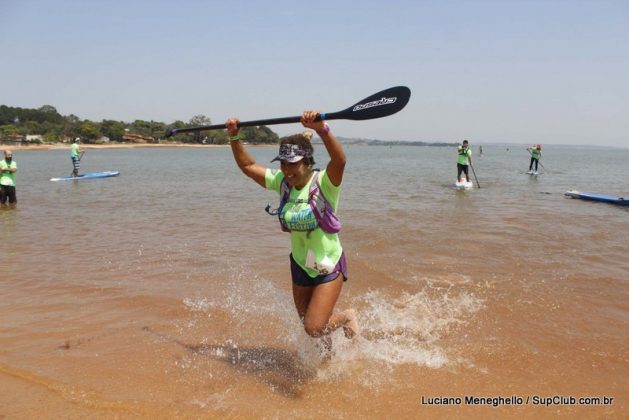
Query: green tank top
(464,154)
(315,246)
(535,152)
(7,178)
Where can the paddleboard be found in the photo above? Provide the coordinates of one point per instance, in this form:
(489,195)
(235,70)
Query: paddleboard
(464,185)
(91,175)
(605,198)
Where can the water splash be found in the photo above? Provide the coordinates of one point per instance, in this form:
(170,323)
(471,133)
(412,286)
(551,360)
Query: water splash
(406,328)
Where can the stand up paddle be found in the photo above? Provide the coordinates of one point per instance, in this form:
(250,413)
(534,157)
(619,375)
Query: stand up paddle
(474,172)
(378,105)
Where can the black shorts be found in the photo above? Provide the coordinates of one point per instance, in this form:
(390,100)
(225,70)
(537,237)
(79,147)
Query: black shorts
(301,277)
(7,191)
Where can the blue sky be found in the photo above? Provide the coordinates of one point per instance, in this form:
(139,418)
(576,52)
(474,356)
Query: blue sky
(551,72)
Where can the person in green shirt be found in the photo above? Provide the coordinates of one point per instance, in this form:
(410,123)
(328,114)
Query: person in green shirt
(317,261)
(536,154)
(8,168)
(76,155)
(464,160)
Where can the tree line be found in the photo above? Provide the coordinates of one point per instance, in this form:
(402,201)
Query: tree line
(16,123)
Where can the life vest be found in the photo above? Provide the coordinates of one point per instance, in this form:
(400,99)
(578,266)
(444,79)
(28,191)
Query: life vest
(321,207)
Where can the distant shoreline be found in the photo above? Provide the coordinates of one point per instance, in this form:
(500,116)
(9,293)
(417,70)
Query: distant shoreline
(345,141)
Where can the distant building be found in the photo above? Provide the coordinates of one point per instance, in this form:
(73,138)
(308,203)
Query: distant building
(138,138)
(34,138)
(13,140)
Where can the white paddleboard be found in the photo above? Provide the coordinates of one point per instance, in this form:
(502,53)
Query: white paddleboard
(464,185)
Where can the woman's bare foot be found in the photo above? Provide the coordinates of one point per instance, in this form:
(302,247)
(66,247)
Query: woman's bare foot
(350,328)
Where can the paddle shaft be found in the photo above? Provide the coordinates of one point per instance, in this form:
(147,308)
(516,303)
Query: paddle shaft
(474,172)
(255,123)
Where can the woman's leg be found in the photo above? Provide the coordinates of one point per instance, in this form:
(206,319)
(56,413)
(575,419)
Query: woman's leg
(315,306)
(302,296)
(75,166)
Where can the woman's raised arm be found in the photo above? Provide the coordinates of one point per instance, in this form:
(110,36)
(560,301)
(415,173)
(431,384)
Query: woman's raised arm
(244,160)
(336,166)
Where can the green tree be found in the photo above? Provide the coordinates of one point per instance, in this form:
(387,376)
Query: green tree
(8,130)
(199,120)
(113,129)
(31,127)
(48,113)
(89,131)
(158,129)
(260,134)
(46,121)
(7,115)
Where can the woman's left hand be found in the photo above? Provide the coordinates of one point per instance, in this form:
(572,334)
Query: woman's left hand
(308,120)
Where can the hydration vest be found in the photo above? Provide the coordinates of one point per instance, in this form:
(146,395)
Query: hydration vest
(321,207)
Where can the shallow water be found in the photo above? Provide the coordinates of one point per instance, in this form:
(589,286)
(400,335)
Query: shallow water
(166,292)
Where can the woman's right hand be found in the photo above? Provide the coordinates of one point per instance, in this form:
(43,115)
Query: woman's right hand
(232,127)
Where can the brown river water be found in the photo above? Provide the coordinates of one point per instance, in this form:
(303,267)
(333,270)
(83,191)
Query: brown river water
(165,292)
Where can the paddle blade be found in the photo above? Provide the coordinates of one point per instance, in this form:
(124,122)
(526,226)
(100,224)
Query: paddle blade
(170,131)
(378,105)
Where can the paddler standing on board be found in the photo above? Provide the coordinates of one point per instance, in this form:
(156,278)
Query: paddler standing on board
(75,155)
(536,154)
(464,160)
